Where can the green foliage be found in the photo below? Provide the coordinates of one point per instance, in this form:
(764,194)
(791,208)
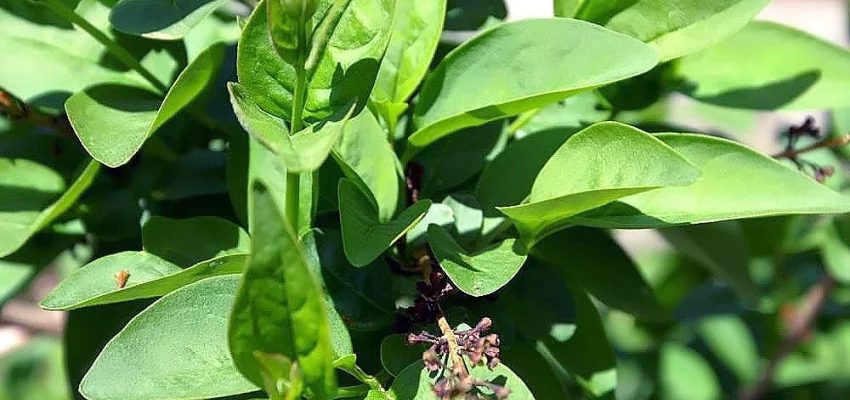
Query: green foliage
(397,199)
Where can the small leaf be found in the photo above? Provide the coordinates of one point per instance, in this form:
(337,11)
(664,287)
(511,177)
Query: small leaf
(722,248)
(28,199)
(150,276)
(731,341)
(416,32)
(303,151)
(416,382)
(736,183)
(516,67)
(476,274)
(674,29)
(601,267)
(366,158)
(685,374)
(364,237)
(345,70)
(280,306)
(617,161)
(190,358)
(770,80)
(186,242)
(161,19)
(93,112)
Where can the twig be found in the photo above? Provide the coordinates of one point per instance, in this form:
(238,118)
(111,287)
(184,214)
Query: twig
(799,329)
(826,144)
(18,110)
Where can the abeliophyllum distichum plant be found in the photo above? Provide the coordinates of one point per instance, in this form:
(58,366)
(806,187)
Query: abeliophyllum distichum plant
(351,199)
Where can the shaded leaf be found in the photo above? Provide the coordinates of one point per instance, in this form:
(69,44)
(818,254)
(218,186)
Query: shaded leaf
(188,241)
(160,19)
(396,354)
(191,359)
(364,236)
(485,79)
(93,111)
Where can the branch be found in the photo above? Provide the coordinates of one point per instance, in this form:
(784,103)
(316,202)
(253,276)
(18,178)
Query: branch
(18,110)
(799,328)
(826,144)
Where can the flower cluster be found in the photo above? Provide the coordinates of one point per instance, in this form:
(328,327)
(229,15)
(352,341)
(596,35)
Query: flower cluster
(809,129)
(426,305)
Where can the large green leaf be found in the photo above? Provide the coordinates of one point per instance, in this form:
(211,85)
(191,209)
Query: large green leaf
(720,247)
(364,236)
(161,19)
(674,29)
(520,66)
(302,151)
(769,80)
(366,158)
(416,382)
(345,71)
(476,274)
(736,182)
(616,161)
(189,241)
(150,276)
(176,348)
(280,306)
(601,267)
(28,193)
(416,32)
(93,112)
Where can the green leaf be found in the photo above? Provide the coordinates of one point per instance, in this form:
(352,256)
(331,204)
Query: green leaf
(835,250)
(189,360)
(617,161)
(303,151)
(472,15)
(814,78)
(93,112)
(600,266)
(290,27)
(150,276)
(161,19)
(366,158)
(28,199)
(345,71)
(396,354)
(364,236)
(674,29)
(416,382)
(417,26)
(468,218)
(280,376)
(736,183)
(186,242)
(730,340)
(476,274)
(684,374)
(437,214)
(567,8)
(485,79)
(280,306)
(722,248)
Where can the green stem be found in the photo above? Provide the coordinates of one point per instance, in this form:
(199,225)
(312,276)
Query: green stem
(355,371)
(64,11)
(293,188)
(293,192)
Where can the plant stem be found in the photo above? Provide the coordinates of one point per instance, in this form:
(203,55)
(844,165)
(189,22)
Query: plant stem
(121,53)
(454,349)
(18,110)
(826,144)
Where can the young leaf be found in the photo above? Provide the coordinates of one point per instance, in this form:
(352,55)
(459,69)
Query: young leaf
(814,78)
(93,112)
(600,266)
(346,68)
(149,276)
(303,151)
(161,19)
(416,382)
(736,183)
(176,348)
(617,161)
(674,29)
(29,208)
(517,67)
(368,160)
(722,248)
(290,26)
(476,274)
(189,241)
(417,26)
(280,306)
(364,236)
